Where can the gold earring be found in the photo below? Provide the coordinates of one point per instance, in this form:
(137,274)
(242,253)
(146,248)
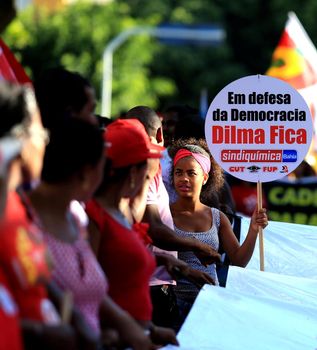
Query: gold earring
(132,184)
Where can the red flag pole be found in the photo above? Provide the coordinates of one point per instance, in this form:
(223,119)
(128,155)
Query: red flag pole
(10,68)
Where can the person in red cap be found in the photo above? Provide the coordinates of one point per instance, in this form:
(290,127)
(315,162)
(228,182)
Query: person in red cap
(119,245)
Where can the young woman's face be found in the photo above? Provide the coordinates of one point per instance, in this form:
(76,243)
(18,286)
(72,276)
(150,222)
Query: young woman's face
(188,177)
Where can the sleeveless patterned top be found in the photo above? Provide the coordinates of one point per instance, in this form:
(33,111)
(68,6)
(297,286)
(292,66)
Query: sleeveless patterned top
(184,288)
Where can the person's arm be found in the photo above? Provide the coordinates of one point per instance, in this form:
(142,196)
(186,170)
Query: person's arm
(87,339)
(138,204)
(161,336)
(180,269)
(241,255)
(37,336)
(130,332)
(165,238)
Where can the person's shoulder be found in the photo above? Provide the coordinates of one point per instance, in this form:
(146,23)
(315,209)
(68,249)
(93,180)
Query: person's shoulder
(222,216)
(214,209)
(206,208)
(77,209)
(154,188)
(216,212)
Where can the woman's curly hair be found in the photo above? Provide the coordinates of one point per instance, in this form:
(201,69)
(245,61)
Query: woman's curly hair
(216,179)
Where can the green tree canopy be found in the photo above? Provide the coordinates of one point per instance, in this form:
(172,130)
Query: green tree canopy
(146,71)
(76,38)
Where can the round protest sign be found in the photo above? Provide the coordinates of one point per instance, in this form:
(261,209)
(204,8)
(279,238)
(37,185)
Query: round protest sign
(258,128)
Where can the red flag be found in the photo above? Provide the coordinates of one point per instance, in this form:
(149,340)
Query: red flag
(10,68)
(295,61)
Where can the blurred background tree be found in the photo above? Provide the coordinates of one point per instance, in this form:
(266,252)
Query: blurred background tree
(146,71)
(7,13)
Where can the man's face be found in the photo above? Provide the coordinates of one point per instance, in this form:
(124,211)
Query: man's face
(87,113)
(169,123)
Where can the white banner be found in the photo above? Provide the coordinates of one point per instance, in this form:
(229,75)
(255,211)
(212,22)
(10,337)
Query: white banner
(295,290)
(261,310)
(289,249)
(226,320)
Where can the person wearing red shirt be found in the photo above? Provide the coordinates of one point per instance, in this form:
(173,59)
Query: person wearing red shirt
(23,255)
(124,257)
(10,335)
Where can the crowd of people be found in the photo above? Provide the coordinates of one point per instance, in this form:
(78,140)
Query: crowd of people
(106,237)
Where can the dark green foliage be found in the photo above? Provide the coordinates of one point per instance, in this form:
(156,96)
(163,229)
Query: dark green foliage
(145,71)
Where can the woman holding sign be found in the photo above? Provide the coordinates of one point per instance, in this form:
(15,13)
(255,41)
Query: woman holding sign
(194,174)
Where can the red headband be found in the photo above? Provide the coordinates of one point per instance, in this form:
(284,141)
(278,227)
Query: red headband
(201,159)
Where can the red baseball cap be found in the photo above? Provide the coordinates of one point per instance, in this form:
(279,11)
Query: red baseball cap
(129,143)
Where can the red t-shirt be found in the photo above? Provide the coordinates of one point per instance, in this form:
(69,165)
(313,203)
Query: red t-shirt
(24,259)
(10,334)
(126,261)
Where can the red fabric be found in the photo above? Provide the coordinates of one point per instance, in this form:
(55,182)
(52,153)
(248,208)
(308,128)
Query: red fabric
(290,61)
(10,68)
(245,198)
(200,158)
(10,334)
(23,256)
(129,143)
(127,263)
(31,302)
(142,229)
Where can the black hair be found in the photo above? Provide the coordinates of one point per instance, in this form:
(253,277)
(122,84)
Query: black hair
(13,108)
(188,122)
(189,125)
(73,146)
(57,90)
(147,116)
(103,122)
(181,110)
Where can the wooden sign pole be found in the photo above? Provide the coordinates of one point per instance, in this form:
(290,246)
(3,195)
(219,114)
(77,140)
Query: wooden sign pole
(261,239)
